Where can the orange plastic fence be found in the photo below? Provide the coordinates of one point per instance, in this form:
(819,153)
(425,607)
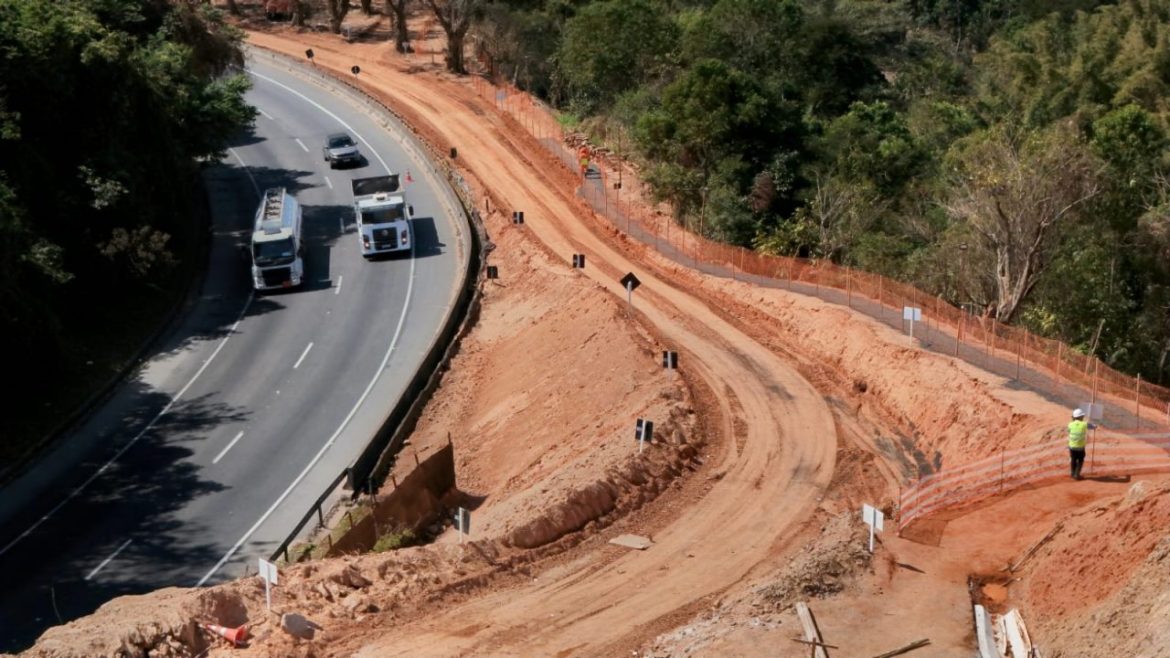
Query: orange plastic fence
(1113,454)
(1146,402)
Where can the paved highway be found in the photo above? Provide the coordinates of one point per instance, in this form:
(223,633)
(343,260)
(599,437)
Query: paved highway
(208,455)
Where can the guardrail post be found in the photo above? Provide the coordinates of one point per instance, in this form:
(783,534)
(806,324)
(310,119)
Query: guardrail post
(320,517)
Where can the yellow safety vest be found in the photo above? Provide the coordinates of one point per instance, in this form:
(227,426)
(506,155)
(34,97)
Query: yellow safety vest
(1077,430)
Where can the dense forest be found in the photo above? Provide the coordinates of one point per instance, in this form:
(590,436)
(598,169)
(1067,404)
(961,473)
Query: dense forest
(1010,155)
(106,109)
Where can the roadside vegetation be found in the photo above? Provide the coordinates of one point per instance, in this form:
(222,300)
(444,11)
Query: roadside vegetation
(1009,155)
(107,107)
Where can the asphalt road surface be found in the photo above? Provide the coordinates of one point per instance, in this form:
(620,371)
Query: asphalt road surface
(207,456)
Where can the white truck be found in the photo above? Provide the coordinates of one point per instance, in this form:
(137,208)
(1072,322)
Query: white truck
(383,216)
(277,249)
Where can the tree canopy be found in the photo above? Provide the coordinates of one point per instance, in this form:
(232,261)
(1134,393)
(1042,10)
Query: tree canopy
(105,109)
(1031,133)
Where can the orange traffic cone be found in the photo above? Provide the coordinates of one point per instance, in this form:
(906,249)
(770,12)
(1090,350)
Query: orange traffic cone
(236,636)
(409,179)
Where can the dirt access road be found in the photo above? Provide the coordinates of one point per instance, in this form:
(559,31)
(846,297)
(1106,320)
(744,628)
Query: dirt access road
(786,442)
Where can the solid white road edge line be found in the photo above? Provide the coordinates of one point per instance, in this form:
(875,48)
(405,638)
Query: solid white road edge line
(337,290)
(328,182)
(107,560)
(303,355)
(246,170)
(122,451)
(263,113)
(301,144)
(369,387)
(229,447)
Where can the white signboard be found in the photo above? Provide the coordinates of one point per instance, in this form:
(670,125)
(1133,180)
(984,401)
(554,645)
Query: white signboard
(1095,410)
(463,522)
(913,314)
(268,573)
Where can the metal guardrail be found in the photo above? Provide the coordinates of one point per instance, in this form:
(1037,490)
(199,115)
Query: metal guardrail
(375,460)
(282,550)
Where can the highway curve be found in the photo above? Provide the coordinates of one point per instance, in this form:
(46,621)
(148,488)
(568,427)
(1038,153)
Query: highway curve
(782,462)
(206,456)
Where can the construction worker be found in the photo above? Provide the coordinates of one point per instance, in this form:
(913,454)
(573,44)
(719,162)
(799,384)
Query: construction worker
(1078,431)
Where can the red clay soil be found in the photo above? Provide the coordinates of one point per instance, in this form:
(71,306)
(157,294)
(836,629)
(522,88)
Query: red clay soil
(786,416)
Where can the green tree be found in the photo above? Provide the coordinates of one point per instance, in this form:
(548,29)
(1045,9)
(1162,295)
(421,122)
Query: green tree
(716,128)
(1016,198)
(610,47)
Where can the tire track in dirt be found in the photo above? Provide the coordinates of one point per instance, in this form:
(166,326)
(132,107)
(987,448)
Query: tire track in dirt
(768,488)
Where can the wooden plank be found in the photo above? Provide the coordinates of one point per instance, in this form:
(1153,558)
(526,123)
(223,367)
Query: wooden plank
(983,633)
(811,632)
(632,541)
(1019,643)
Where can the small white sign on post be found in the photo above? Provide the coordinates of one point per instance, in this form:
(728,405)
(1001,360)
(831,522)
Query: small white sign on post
(1095,410)
(913,314)
(874,518)
(268,573)
(463,522)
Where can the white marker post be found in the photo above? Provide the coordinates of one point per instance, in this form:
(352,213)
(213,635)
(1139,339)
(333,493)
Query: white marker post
(1095,411)
(463,522)
(268,573)
(874,518)
(913,314)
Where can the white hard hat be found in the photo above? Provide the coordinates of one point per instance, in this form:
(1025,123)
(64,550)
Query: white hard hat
(1078,413)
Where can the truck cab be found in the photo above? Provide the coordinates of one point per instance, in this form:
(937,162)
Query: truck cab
(276,242)
(382,214)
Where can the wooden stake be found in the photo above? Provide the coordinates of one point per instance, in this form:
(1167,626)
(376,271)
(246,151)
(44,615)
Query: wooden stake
(917,644)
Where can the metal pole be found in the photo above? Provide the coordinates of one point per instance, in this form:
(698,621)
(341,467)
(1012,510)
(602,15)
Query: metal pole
(1096,364)
(849,286)
(630,295)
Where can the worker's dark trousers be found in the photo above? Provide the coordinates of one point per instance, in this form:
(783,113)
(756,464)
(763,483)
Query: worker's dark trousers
(1077,459)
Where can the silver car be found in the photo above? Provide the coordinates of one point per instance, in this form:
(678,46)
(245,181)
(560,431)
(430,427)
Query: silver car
(340,149)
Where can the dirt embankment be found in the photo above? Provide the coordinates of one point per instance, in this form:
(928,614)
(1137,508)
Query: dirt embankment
(788,414)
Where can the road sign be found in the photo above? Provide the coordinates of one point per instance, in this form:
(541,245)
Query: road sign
(355,69)
(579,261)
(463,522)
(309,53)
(912,314)
(517,216)
(1095,410)
(268,573)
(643,432)
(630,282)
(493,272)
(670,360)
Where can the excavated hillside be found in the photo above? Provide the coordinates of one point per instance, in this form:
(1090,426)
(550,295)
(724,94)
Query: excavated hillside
(786,415)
